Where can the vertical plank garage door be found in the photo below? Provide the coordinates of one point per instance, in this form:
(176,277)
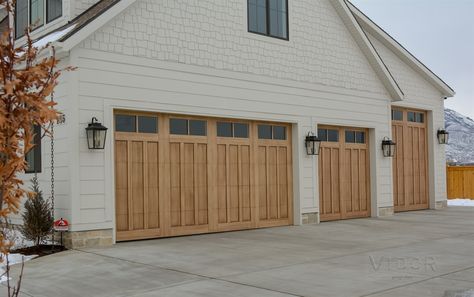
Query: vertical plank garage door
(178,175)
(410,168)
(344,181)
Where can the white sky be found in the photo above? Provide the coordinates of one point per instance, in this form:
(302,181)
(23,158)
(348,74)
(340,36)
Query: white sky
(440,33)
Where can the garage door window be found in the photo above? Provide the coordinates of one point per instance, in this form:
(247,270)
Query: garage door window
(330,135)
(134,124)
(188,127)
(125,123)
(271,132)
(416,117)
(147,124)
(397,115)
(355,136)
(228,129)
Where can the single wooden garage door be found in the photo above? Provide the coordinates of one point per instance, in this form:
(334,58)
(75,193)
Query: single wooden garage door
(410,168)
(177,175)
(344,180)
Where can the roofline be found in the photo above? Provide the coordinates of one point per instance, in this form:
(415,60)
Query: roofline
(82,32)
(372,28)
(369,50)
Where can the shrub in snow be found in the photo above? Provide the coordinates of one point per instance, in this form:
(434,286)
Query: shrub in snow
(37,218)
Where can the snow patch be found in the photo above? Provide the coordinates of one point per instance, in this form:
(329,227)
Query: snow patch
(55,36)
(12,260)
(460,202)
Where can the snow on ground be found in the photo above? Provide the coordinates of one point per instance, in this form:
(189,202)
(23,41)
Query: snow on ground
(12,260)
(460,202)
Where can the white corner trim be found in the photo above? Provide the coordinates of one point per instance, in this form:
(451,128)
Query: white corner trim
(94,25)
(368,49)
(373,29)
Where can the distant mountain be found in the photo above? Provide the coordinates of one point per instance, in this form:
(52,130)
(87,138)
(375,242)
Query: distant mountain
(460,149)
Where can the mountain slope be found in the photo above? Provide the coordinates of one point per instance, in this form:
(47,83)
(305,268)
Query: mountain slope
(460,149)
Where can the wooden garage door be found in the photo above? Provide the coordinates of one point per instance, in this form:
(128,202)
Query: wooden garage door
(178,175)
(410,168)
(344,181)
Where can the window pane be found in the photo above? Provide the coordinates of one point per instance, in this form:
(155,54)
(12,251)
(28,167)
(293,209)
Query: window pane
(197,128)
(21,18)
(125,123)
(36,13)
(224,129)
(33,157)
(411,116)
(241,130)
(257,14)
(333,135)
(397,115)
(279,132)
(278,17)
(147,124)
(360,137)
(350,136)
(54,9)
(179,126)
(264,131)
(420,117)
(323,134)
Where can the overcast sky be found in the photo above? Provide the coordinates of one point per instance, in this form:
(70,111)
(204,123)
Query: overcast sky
(440,33)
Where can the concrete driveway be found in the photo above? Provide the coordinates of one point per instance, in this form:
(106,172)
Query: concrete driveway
(424,253)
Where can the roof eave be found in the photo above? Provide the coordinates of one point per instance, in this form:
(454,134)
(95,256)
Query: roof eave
(372,28)
(88,29)
(368,49)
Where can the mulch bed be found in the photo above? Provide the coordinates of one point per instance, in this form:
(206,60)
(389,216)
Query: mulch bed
(42,250)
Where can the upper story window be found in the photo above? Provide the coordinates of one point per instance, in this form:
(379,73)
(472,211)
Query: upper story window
(268,17)
(33,157)
(34,13)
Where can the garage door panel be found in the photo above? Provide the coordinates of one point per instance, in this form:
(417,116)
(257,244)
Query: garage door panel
(409,164)
(152,190)
(343,176)
(262,182)
(168,185)
(121,185)
(283,182)
(136,174)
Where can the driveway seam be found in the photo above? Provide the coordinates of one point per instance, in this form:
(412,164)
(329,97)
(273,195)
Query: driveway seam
(203,277)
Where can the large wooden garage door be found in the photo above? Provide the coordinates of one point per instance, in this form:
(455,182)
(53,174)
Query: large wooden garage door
(410,168)
(178,175)
(344,181)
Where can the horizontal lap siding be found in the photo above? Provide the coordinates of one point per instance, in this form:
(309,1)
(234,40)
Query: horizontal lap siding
(153,88)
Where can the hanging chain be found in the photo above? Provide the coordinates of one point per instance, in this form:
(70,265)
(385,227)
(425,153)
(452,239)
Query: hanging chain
(52,172)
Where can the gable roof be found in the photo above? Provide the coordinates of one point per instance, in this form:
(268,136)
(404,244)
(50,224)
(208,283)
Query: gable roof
(81,27)
(373,29)
(369,50)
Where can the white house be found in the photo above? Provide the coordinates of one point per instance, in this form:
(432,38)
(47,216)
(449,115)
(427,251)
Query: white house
(208,104)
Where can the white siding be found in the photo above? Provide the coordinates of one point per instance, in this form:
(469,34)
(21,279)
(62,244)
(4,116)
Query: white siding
(62,154)
(213,33)
(108,81)
(421,94)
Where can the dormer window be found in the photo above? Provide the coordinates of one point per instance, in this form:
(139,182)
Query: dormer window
(34,13)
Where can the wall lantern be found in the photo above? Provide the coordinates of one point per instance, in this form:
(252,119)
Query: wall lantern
(96,134)
(443,136)
(388,147)
(313,144)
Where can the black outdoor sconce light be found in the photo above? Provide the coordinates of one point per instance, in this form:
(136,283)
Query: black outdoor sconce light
(96,134)
(388,147)
(313,144)
(443,136)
